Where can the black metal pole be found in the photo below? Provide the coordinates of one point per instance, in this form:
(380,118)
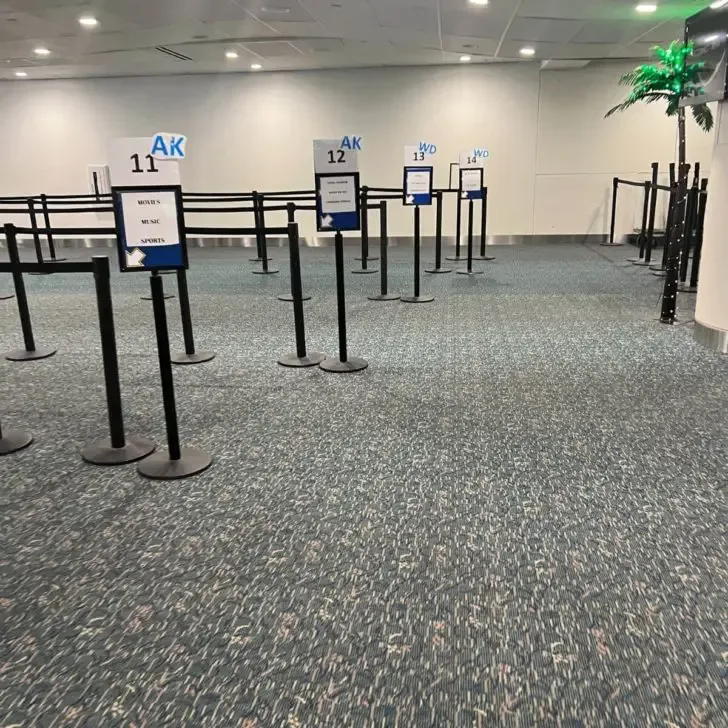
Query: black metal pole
(438,237)
(384,294)
(189,356)
(30,353)
(417,298)
(699,230)
(469,270)
(96,184)
(178,462)
(342,363)
(365,269)
(47,225)
(117,449)
(613,224)
(262,236)
(36,235)
(484,226)
(643,229)
(651,223)
(458,229)
(256,219)
(291,215)
(301,358)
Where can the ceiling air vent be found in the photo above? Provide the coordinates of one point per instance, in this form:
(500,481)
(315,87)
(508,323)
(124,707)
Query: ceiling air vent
(173,54)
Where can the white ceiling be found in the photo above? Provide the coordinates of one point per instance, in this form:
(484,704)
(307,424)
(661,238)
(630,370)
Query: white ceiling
(304,34)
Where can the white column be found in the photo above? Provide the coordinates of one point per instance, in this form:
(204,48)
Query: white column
(711,313)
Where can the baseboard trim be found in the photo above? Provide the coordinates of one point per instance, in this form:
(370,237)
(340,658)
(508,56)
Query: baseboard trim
(711,338)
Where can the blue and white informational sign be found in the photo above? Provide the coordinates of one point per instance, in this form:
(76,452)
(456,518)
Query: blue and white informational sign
(471,183)
(338,197)
(150,228)
(338,202)
(417,186)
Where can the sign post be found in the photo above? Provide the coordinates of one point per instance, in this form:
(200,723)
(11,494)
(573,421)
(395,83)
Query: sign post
(338,208)
(470,189)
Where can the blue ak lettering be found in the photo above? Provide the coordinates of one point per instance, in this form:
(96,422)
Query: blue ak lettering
(352,143)
(175,147)
(159,147)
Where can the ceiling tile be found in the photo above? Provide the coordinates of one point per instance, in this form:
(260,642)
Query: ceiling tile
(272,49)
(543,29)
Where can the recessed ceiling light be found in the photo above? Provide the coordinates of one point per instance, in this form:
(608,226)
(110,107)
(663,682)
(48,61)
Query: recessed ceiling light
(718,4)
(646,8)
(21,74)
(41,51)
(275,10)
(465,59)
(478,2)
(231,55)
(88,21)
(255,66)
(527,51)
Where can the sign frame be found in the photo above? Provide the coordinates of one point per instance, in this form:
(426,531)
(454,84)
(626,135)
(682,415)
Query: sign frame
(117,194)
(430,170)
(319,206)
(472,194)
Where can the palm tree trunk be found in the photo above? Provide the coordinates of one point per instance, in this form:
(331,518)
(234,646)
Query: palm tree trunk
(672,265)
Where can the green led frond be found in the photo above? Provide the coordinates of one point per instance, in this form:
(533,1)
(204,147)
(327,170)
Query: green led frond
(671,79)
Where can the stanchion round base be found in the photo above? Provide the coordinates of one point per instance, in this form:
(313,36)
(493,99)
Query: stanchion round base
(56,260)
(611,245)
(633,260)
(258,260)
(659,273)
(365,271)
(102,453)
(14,440)
(368,259)
(642,263)
(6,296)
(269,272)
(438,270)
(469,272)
(384,297)
(35,273)
(23,355)
(686,288)
(160,467)
(167,272)
(456,258)
(199,357)
(484,257)
(659,266)
(353,364)
(417,299)
(167,296)
(288,297)
(294,361)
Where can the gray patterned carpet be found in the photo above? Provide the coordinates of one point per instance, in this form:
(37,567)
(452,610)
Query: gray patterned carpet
(516,516)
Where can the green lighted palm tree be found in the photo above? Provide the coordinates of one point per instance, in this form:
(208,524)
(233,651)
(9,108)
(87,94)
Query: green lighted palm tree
(671,80)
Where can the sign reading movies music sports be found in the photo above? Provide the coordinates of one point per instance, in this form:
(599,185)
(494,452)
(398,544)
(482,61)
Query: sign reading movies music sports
(336,171)
(417,186)
(150,228)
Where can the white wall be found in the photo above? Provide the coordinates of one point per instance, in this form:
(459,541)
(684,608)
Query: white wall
(552,153)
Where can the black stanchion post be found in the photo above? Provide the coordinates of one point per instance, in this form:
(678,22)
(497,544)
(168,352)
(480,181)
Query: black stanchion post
(384,294)
(261,232)
(438,237)
(458,228)
(47,225)
(13,440)
(289,297)
(301,358)
(484,227)
(30,353)
(692,287)
(258,226)
(651,223)
(344,363)
(365,227)
(417,298)
(189,356)
(178,462)
(365,269)
(613,223)
(469,270)
(36,235)
(643,230)
(117,449)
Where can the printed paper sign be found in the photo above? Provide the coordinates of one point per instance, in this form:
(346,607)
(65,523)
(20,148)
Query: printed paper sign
(338,194)
(471,183)
(131,164)
(330,158)
(418,185)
